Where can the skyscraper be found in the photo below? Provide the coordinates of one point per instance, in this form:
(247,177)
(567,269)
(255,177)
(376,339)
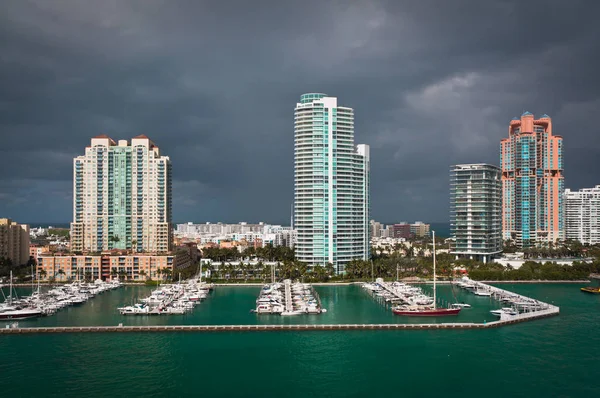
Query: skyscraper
(475,211)
(122,197)
(331,184)
(582,215)
(532,182)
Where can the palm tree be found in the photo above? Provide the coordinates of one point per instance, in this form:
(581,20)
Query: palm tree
(143,273)
(43,274)
(61,273)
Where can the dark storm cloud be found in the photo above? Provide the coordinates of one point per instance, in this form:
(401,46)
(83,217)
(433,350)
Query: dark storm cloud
(214,84)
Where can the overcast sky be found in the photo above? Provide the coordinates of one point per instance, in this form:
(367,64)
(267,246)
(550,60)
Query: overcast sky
(215,83)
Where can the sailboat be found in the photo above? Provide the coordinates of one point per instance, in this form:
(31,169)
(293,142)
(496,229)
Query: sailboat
(8,311)
(432,310)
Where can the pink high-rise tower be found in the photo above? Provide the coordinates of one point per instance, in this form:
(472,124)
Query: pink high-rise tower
(532,182)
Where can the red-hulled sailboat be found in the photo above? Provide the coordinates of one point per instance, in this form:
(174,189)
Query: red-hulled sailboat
(427,310)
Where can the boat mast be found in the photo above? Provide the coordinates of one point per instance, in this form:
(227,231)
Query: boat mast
(434,286)
(10,291)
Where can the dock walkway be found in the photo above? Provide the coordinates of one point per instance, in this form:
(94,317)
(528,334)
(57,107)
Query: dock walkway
(529,308)
(268,328)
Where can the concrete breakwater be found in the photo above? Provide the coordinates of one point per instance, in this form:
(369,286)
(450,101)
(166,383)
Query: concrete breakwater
(273,328)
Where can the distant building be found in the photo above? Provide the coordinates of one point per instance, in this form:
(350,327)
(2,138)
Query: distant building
(419,229)
(331,184)
(401,230)
(475,211)
(531,159)
(375,228)
(14,241)
(582,215)
(262,233)
(121,197)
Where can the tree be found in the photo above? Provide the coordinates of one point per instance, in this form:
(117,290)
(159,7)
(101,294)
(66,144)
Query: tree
(43,274)
(61,273)
(143,274)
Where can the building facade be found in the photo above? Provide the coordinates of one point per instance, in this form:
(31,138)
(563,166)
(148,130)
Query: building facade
(110,266)
(419,229)
(122,197)
(582,215)
(531,159)
(14,241)
(331,184)
(476,211)
(401,230)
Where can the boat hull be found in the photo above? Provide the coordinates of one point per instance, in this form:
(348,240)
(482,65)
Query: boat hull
(591,289)
(7,316)
(433,312)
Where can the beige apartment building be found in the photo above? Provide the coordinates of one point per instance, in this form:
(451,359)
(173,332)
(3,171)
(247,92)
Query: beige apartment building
(14,241)
(121,197)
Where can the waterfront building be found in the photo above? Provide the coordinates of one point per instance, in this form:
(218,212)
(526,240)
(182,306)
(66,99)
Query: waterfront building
(14,241)
(111,265)
(582,215)
(475,211)
(331,184)
(531,159)
(35,251)
(121,197)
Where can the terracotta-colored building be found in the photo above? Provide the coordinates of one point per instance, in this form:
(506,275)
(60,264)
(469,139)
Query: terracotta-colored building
(110,266)
(531,160)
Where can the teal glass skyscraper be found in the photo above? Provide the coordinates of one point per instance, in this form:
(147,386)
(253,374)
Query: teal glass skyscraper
(331,184)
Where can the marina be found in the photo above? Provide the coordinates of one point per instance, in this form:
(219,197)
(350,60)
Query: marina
(39,304)
(515,306)
(287,299)
(178,349)
(171,299)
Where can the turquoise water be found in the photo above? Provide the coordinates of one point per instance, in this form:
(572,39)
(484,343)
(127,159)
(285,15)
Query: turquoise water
(231,305)
(549,357)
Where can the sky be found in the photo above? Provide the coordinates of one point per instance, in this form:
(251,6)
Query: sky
(214,84)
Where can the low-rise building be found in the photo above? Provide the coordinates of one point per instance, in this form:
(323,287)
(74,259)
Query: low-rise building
(111,265)
(257,235)
(14,241)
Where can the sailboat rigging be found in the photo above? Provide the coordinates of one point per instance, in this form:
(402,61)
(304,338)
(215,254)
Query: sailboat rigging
(429,310)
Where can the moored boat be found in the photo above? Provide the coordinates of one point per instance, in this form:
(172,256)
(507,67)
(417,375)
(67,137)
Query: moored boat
(427,310)
(591,289)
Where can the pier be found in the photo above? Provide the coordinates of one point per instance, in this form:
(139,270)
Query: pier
(526,307)
(273,328)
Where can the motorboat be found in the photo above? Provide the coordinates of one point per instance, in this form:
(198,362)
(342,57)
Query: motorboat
(461,305)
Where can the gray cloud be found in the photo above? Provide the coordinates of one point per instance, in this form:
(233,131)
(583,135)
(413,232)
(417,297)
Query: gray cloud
(214,84)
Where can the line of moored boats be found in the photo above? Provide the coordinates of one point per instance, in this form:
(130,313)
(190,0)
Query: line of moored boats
(171,299)
(42,304)
(514,304)
(287,299)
